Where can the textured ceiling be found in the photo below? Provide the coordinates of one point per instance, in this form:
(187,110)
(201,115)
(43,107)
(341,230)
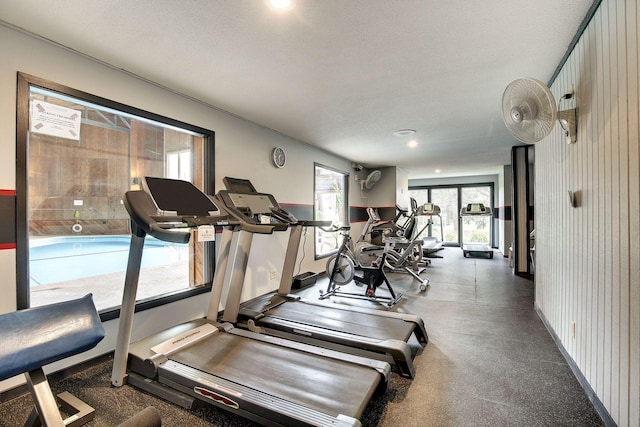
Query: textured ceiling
(339,74)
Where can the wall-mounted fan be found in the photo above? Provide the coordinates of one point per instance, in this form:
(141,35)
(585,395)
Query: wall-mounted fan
(370,181)
(529,111)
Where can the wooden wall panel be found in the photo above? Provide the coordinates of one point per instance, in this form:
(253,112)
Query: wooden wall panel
(94,170)
(633,32)
(588,257)
(623,219)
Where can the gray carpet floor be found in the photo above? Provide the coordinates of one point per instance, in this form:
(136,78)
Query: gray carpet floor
(489,362)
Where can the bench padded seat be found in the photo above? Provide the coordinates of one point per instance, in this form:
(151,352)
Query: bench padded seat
(32,338)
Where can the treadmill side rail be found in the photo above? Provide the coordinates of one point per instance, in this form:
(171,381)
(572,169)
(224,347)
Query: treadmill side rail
(184,339)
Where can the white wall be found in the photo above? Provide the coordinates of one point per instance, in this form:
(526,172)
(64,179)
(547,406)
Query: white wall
(242,150)
(392,189)
(402,187)
(588,271)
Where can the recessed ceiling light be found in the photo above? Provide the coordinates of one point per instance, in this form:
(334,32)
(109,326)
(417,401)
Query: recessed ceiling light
(437,171)
(280,4)
(413,143)
(404,132)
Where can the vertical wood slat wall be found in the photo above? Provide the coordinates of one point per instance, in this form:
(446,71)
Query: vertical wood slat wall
(588,257)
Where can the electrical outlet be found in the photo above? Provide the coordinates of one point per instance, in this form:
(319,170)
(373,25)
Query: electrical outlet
(573,330)
(272,275)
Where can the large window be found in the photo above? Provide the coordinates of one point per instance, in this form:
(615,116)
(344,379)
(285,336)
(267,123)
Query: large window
(331,204)
(77,156)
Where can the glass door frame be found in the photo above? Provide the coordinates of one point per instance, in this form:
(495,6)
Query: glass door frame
(459,187)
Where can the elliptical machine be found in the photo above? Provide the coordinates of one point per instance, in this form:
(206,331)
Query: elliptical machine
(404,252)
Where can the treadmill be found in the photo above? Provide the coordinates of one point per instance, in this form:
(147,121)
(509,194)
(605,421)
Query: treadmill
(267,379)
(431,245)
(372,333)
(469,249)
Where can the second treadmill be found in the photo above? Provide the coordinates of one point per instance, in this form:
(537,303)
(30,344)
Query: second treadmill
(357,330)
(469,249)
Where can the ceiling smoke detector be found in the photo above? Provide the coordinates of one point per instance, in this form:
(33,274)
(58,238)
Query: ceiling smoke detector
(404,132)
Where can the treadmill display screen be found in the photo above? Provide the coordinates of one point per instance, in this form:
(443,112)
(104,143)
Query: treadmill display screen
(179,196)
(256,203)
(475,207)
(239,185)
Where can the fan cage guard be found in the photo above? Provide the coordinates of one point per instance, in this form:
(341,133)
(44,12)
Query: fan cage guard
(372,179)
(534,102)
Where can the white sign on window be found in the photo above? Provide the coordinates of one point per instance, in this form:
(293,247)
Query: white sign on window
(55,120)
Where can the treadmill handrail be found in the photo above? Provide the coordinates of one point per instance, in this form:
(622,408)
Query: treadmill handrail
(258,228)
(143,213)
(314,223)
(280,218)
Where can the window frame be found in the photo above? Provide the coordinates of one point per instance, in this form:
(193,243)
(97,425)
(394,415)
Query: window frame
(24,83)
(346,206)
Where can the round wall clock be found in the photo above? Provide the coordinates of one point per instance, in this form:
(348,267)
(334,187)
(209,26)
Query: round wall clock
(278,157)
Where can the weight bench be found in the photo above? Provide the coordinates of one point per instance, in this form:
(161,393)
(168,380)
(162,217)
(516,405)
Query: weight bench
(32,338)
(38,336)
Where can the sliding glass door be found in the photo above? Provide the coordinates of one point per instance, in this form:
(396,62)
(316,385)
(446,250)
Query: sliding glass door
(476,229)
(451,199)
(447,199)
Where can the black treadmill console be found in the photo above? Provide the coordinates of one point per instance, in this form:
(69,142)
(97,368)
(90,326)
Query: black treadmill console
(248,207)
(243,201)
(475,209)
(181,197)
(428,209)
(238,185)
(242,196)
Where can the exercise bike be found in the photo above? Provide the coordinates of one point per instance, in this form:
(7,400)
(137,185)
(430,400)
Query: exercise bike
(342,267)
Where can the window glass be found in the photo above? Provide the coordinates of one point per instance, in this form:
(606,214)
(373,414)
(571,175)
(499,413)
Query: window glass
(82,157)
(331,204)
(421,197)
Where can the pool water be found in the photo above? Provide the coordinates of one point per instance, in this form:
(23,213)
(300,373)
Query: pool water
(59,259)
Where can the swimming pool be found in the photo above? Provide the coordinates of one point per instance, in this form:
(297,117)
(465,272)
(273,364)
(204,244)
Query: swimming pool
(59,259)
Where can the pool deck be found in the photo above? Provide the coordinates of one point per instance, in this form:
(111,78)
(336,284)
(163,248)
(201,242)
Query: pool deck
(107,288)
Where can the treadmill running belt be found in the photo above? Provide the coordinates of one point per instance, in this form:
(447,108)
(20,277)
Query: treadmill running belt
(376,327)
(327,385)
